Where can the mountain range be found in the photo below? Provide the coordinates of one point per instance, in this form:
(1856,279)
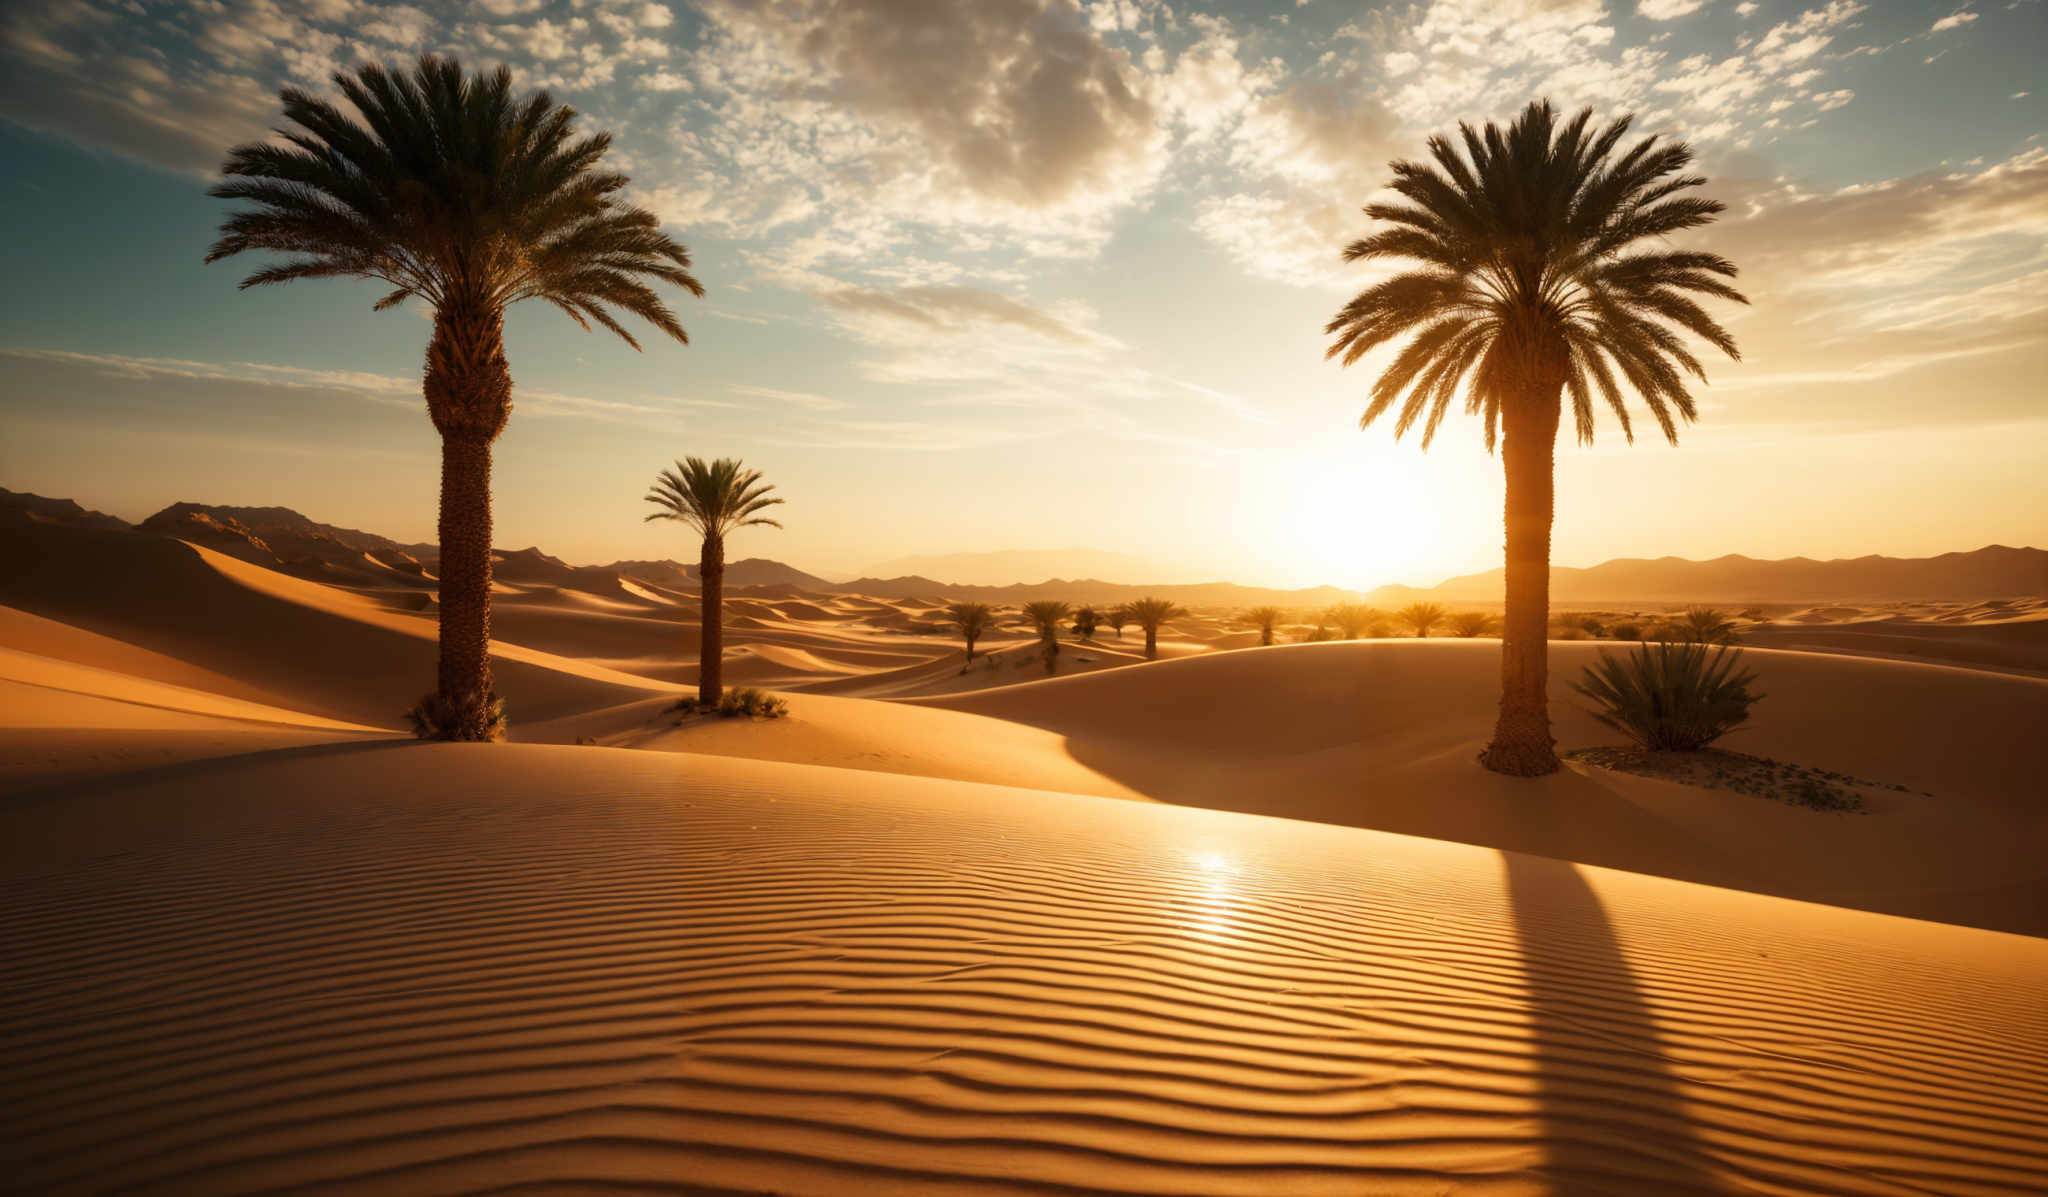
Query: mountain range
(283,539)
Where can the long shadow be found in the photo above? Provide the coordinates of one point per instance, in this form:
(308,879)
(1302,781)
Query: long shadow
(101,783)
(1613,1121)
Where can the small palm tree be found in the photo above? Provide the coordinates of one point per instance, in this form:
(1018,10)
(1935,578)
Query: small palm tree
(1422,617)
(715,499)
(1119,616)
(1541,272)
(1351,619)
(1265,619)
(1148,613)
(1705,625)
(1047,615)
(1086,620)
(1468,624)
(972,619)
(453,190)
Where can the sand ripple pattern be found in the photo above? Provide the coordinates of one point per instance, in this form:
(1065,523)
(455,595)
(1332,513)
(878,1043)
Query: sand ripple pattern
(442,969)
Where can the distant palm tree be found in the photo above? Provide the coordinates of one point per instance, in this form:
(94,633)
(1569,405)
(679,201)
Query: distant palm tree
(1705,625)
(972,619)
(1047,614)
(1468,624)
(1148,613)
(715,499)
(1265,619)
(452,189)
(1422,617)
(1119,616)
(1542,273)
(1086,620)
(1351,619)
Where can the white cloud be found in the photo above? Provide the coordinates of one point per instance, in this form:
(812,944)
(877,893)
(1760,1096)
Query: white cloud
(1667,10)
(1954,20)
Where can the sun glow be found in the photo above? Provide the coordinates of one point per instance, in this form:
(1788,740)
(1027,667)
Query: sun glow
(1378,513)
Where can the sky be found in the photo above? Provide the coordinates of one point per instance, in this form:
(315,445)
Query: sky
(1028,274)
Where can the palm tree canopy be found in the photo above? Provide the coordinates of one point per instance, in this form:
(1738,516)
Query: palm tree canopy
(1532,272)
(450,188)
(1151,612)
(972,618)
(1264,617)
(714,498)
(1047,613)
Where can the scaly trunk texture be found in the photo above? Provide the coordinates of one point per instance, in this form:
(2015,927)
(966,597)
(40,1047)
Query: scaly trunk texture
(1151,643)
(468,389)
(711,643)
(1522,745)
(971,638)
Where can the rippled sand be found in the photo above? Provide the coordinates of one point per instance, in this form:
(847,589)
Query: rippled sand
(563,969)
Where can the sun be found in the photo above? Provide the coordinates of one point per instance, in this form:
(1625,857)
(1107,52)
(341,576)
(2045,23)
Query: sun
(1368,517)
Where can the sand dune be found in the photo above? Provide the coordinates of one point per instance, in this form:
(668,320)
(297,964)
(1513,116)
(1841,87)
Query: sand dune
(576,969)
(1383,734)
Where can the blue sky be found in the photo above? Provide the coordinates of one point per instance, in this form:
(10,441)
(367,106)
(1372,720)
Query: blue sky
(1028,273)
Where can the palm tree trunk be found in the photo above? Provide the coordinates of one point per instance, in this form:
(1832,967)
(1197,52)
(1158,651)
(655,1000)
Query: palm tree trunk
(465,566)
(970,646)
(1265,637)
(1151,643)
(1522,745)
(468,388)
(711,622)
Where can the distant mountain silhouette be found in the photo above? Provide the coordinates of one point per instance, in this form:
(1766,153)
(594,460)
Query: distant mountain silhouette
(1096,592)
(22,507)
(1004,567)
(1991,572)
(281,538)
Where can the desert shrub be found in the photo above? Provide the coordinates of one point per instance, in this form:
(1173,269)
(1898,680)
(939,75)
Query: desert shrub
(1704,625)
(752,702)
(747,701)
(1568,632)
(1316,634)
(1754,613)
(1379,630)
(1626,629)
(470,716)
(1674,695)
(1471,623)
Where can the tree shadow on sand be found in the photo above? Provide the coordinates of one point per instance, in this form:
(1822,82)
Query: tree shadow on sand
(1612,1117)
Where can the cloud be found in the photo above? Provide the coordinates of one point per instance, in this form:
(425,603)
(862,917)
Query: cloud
(1667,10)
(1954,20)
(1015,121)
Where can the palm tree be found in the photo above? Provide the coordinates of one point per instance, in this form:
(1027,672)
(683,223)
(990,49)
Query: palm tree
(1118,616)
(1468,624)
(715,499)
(1350,619)
(1148,613)
(1265,619)
(1541,273)
(452,189)
(972,619)
(1705,625)
(1422,617)
(1086,620)
(1047,614)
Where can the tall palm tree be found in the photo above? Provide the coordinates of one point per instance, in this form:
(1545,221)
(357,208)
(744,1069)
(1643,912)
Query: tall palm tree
(1540,272)
(716,499)
(972,619)
(1047,614)
(451,189)
(1148,613)
(1422,617)
(1265,619)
